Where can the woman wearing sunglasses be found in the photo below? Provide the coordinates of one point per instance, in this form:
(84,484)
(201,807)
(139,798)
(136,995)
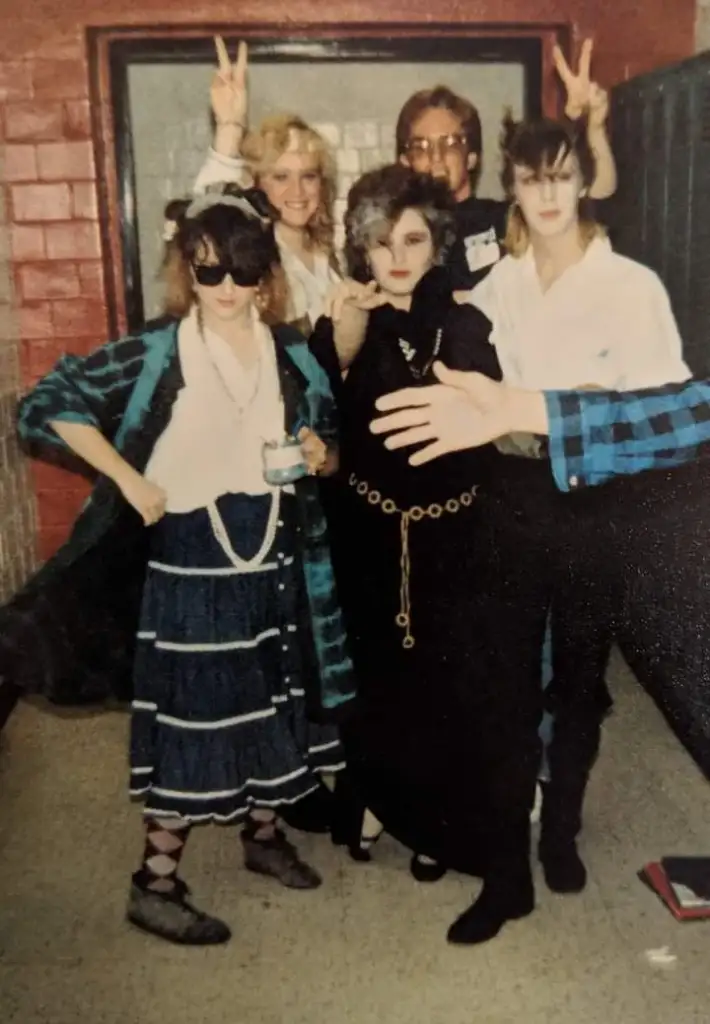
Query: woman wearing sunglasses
(209,425)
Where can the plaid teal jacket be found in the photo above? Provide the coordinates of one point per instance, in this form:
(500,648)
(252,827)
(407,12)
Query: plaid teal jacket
(126,389)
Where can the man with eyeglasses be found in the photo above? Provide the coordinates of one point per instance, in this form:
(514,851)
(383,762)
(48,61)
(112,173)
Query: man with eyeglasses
(439,132)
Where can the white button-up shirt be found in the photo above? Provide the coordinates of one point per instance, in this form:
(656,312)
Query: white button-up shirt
(605,322)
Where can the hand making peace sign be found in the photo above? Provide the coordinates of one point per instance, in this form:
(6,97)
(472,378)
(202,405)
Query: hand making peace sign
(583,95)
(228,91)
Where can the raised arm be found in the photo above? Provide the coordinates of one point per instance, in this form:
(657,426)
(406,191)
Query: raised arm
(229,101)
(585,97)
(348,305)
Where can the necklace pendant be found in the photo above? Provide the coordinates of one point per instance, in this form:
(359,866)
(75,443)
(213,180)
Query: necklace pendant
(407,350)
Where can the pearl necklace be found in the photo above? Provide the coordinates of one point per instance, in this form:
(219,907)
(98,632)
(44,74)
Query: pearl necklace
(222,537)
(219,530)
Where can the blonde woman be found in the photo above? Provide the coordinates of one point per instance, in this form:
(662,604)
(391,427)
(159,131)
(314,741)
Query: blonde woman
(293,166)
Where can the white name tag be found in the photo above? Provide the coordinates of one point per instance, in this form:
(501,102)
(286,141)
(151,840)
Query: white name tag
(482,250)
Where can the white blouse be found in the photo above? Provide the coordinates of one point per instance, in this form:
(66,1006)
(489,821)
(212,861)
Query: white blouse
(213,442)
(307,288)
(606,322)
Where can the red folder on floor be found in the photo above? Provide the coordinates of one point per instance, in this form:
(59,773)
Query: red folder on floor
(683,903)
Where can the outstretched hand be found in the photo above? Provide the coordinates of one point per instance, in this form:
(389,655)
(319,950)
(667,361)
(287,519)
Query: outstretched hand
(465,410)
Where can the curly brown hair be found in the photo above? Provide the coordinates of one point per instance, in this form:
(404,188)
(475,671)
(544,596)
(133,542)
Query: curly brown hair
(236,238)
(379,198)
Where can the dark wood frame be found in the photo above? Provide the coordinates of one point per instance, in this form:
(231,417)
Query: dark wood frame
(113,50)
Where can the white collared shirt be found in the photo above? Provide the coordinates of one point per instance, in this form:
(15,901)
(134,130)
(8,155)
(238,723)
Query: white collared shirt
(606,322)
(307,288)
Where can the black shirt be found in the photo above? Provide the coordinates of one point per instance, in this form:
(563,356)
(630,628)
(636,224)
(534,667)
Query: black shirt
(480,232)
(398,347)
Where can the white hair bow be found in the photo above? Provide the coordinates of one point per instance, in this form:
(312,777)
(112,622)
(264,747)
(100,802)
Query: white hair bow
(210,199)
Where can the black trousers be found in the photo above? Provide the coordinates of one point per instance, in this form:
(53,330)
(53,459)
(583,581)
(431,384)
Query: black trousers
(538,549)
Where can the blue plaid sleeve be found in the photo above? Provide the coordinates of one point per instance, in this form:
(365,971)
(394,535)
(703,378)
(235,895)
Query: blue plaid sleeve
(594,436)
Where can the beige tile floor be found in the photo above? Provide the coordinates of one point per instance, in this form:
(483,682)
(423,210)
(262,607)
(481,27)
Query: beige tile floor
(369,946)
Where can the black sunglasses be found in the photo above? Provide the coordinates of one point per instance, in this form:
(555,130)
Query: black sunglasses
(210,275)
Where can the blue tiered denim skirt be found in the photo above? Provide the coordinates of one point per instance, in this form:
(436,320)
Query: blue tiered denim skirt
(219,721)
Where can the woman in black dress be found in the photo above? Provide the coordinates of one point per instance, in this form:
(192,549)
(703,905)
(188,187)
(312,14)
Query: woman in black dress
(404,541)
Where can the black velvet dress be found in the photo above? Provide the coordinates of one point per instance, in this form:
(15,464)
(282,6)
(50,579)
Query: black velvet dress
(405,747)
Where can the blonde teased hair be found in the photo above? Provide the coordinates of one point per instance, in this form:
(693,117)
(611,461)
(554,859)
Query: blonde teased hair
(274,137)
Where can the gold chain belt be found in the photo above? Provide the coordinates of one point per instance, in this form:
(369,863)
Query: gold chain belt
(407,516)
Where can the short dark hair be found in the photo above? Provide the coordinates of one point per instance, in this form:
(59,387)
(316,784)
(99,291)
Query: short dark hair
(380,197)
(238,239)
(541,143)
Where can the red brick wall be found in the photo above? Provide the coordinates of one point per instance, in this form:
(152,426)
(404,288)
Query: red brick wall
(49,155)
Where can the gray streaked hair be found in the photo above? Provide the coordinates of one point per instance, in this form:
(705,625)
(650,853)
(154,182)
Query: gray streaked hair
(377,201)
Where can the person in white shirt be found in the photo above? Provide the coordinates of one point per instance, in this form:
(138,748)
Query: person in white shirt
(566,312)
(294,167)
(211,426)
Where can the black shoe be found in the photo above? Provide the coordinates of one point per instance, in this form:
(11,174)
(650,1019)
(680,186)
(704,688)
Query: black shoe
(314,813)
(563,868)
(425,872)
(170,916)
(485,918)
(359,847)
(348,817)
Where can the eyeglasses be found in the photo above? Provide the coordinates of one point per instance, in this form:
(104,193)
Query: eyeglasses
(420,148)
(211,274)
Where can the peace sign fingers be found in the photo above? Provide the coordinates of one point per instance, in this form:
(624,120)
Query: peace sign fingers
(223,62)
(562,67)
(585,61)
(578,86)
(239,71)
(228,91)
